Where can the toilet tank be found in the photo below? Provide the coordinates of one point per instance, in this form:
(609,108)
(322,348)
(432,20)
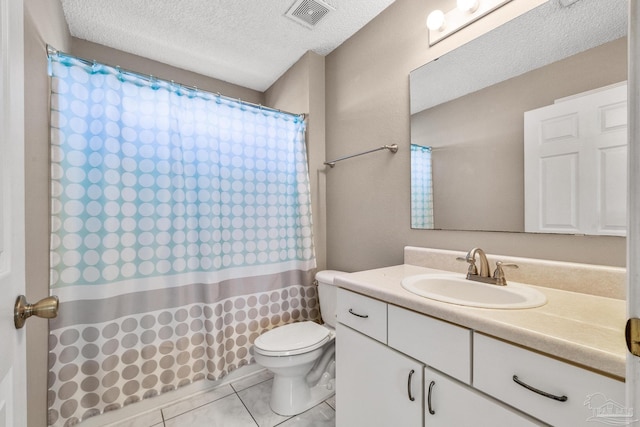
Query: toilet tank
(327,293)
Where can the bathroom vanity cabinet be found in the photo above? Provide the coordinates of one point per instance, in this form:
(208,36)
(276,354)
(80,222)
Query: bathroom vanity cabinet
(399,367)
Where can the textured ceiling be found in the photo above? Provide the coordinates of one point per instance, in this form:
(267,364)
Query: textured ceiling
(246,42)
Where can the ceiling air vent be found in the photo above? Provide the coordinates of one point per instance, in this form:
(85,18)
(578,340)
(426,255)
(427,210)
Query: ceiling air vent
(309,12)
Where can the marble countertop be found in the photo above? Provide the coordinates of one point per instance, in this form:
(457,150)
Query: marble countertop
(582,329)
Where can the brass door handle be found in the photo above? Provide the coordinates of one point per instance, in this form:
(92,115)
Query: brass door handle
(46,308)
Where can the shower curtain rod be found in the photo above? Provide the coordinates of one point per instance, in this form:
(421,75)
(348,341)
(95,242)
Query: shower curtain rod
(393,148)
(150,77)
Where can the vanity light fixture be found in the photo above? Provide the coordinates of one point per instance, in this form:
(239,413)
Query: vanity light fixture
(468,6)
(442,25)
(436,20)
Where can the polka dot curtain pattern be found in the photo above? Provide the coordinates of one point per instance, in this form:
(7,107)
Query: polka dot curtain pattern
(421,187)
(181,230)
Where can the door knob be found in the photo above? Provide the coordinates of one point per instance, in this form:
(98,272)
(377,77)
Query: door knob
(46,308)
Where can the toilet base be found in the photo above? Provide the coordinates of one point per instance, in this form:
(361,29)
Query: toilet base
(290,399)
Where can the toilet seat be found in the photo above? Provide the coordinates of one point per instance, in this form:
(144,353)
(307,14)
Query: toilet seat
(292,339)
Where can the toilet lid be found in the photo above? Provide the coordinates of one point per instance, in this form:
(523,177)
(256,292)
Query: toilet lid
(294,338)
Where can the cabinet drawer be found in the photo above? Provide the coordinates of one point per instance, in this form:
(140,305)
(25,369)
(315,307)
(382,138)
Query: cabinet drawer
(363,314)
(439,344)
(588,395)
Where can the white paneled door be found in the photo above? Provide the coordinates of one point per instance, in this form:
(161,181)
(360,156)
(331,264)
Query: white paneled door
(12,342)
(576,164)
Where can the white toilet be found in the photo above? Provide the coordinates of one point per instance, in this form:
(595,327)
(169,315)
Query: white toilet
(301,355)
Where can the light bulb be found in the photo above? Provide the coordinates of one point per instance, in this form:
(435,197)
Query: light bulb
(436,21)
(467,6)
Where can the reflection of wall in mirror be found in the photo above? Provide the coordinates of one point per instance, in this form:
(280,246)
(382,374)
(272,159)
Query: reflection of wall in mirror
(477,140)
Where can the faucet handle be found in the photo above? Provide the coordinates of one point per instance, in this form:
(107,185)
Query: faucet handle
(473,270)
(498,274)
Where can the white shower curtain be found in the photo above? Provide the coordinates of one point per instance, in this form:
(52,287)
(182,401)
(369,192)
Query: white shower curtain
(181,230)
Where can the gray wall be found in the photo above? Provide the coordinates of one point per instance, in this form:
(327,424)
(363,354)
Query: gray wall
(368,198)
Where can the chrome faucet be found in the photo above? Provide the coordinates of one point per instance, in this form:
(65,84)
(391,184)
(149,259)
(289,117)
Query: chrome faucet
(484,263)
(483,276)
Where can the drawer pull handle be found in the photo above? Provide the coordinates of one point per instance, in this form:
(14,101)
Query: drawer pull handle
(431,411)
(411,398)
(364,316)
(540,392)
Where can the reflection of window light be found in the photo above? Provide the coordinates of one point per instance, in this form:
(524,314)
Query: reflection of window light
(421,187)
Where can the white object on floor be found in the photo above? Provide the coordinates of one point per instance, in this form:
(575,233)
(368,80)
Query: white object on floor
(300,354)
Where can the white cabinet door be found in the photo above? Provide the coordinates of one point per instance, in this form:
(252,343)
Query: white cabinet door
(451,403)
(375,385)
(575,165)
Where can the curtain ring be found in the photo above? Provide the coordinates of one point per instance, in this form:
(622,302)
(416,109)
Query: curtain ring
(154,82)
(119,73)
(176,88)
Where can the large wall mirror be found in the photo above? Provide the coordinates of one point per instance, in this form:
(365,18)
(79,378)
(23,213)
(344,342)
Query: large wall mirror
(468,106)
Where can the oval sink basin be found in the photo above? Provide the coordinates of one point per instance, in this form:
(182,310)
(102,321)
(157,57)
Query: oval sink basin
(456,289)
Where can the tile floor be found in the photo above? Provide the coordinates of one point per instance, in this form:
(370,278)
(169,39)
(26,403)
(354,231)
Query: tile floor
(243,403)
